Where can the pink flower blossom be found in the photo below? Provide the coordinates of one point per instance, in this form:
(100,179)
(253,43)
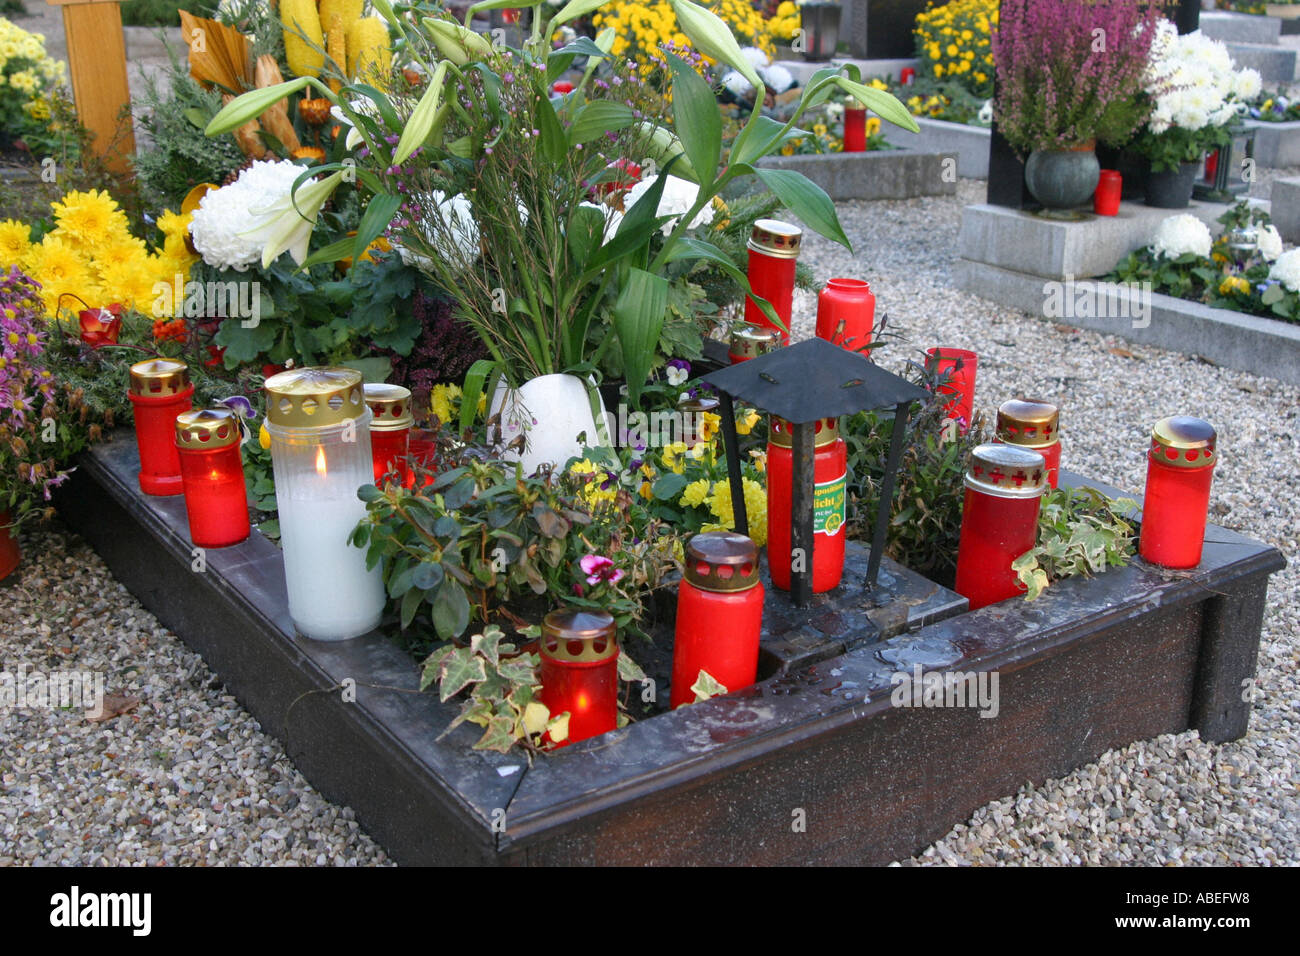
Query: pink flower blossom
(598,570)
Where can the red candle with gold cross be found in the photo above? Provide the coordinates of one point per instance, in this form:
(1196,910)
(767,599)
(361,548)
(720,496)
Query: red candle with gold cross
(1176,506)
(999,520)
(390,431)
(216,501)
(1036,424)
(160,390)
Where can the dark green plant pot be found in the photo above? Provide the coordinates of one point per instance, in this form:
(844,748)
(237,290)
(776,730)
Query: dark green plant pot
(1172,189)
(1062,179)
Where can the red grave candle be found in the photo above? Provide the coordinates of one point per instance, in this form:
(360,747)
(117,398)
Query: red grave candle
(906,75)
(1105,201)
(1180,468)
(423,448)
(212,469)
(958,366)
(999,520)
(773,248)
(855,129)
(846,311)
(719,614)
(1033,423)
(830,474)
(579,651)
(750,341)
(390,431)
(160,390)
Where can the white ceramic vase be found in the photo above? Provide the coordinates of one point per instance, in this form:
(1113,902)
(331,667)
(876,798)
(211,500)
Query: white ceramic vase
(551,412)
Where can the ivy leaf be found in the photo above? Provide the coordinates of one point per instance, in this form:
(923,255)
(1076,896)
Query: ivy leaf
(433,666)
(706,686)
(558,728)
(536,717)
(487,643)
(461,668)
(499,735)
(628,669)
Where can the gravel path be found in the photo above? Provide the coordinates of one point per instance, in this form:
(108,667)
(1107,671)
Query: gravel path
(188,777)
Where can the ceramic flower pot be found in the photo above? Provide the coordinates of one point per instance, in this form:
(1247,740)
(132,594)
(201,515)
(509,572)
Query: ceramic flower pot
(9,553)
(1062,178)
(550,412)
(1171,189)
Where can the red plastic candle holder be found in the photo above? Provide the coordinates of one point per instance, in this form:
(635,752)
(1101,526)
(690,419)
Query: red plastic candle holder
(1035,424)
(855,129)
(999,521)
(846,312)
(958,366)
(212,470)
(160,390)
(1105,201)
(719,614)
(390,431)
(750,341)
(422,450)
(830,475)
(579,651)
(1180,469)
(906,75)
(773,248)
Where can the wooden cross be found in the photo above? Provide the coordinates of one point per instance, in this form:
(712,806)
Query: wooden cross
(97,62)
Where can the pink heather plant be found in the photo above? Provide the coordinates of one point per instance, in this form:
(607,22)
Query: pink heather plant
(1071,71)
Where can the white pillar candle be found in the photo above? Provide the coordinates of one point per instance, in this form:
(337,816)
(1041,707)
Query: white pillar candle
(318,469)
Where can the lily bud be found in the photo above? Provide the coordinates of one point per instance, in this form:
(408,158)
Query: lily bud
(455,42)
(710,35)
(662,146)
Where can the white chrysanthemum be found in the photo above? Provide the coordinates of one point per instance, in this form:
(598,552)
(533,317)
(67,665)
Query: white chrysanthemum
(1246,84)
(225,227)
(1181,234)
(756,57)
(1287,269)
(737,84)
(677,199)
(1270,243)
(777,77)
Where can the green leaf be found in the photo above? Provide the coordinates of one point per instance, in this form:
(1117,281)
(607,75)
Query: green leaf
(575,9)
(638,318)
(420,124)
(379,213)
(369,493)
(689,248)
(475,385)
(555,144)
(451,611)
(696,119)
(487,643)
(411,602)
(706,686)
(765,136)
(500,733)
(335,251)
(599,117)
(460,668)
(427,575)
(502,5)
(879,102)
(1272,294)
(456,497)
(668,486)
(806,200)
(582,46)
(628,669)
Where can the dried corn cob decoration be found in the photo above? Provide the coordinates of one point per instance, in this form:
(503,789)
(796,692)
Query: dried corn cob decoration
(348,12)
(300,20)
(337,48)
(370,57)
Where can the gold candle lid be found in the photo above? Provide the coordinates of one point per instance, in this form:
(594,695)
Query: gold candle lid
(776,238)
(751,341)
(161,376)
(314,397)
(1184,442)
(580,637)
(1007,471)
(207,428)
(1029,422)
(780,432)
(721,561)
(391,406)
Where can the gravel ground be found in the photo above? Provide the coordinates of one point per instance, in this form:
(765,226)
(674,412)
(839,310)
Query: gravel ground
(188,777)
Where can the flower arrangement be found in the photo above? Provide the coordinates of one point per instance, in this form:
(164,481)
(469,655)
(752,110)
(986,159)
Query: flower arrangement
(1196,95)
(643,28)
(1246,269)
(953,43)
(1072,73)
(42,422)
(29,78)
(90,257)
(1274,108)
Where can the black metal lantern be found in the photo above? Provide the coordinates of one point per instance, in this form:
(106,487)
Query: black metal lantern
(1229,170)
(820,23)
(802,384)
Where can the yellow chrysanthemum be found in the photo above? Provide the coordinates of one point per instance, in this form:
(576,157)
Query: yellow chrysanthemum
(89,217)
(755,509)
(694,494)
(15,241)
(133,287)
(440,402)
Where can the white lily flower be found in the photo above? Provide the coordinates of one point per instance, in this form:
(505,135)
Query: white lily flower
(281,225)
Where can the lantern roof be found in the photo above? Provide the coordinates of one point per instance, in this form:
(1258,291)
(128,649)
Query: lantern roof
(813,379)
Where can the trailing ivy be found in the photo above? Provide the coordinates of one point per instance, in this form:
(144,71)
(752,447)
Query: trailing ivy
(1080,531)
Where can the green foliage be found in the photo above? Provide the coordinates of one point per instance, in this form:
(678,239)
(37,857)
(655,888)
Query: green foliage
(925,514)
(1080,531)
(181,156)
(502,687)
(159,13)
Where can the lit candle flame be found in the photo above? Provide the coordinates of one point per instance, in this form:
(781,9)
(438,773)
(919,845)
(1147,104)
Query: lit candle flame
(320,461)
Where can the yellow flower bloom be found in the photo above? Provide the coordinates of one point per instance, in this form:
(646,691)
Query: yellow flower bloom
(695,493)
(89,217)
(746,421)
(15,241)
(755,509)
(672,457)
(440,402)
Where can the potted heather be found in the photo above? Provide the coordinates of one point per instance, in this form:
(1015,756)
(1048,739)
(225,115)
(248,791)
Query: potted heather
(1069,74)
(1197,98)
